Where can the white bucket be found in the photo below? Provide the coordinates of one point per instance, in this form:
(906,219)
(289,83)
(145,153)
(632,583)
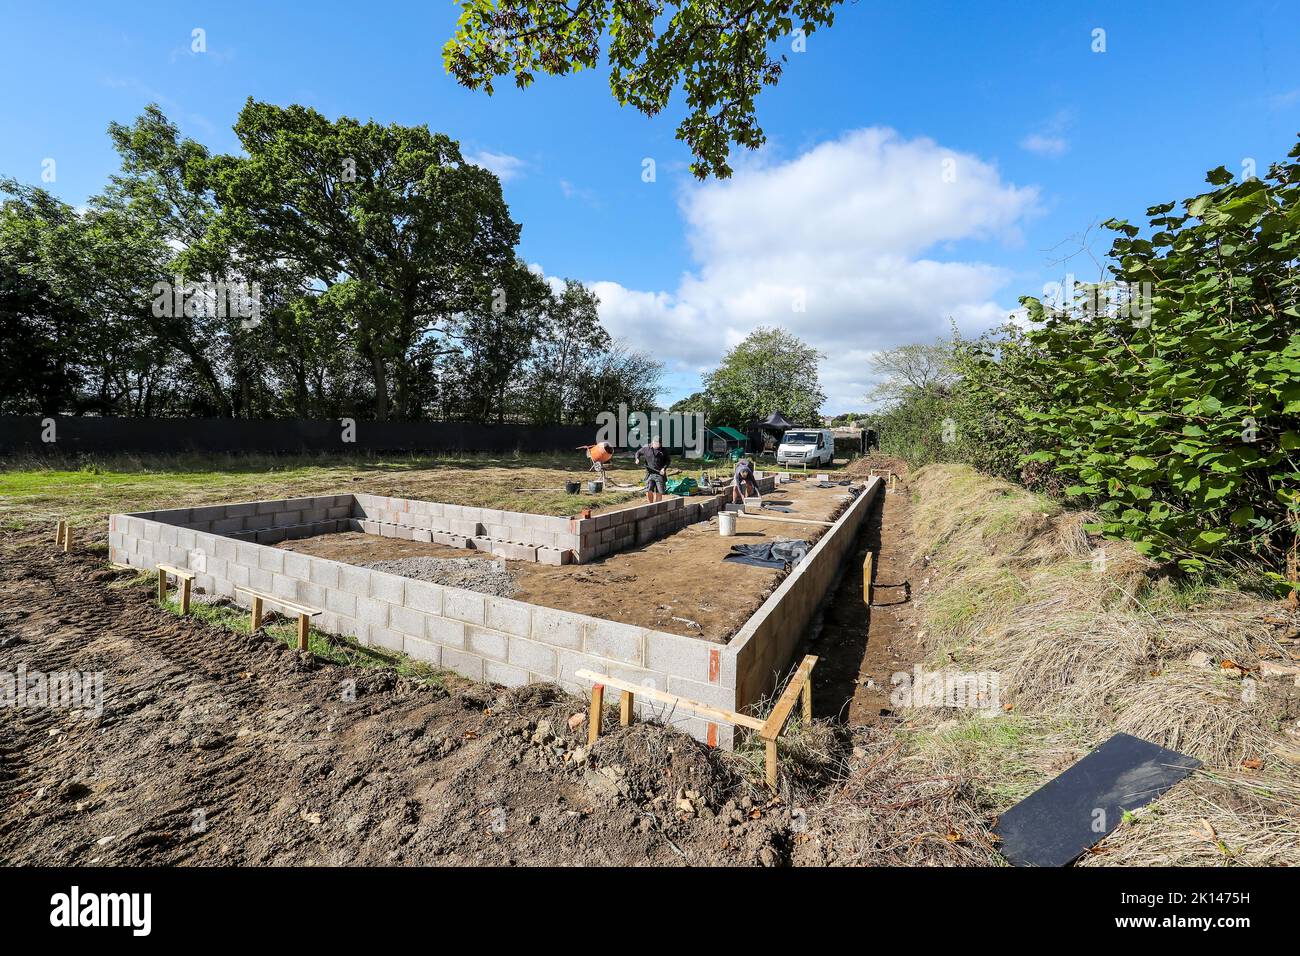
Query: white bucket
(726,523)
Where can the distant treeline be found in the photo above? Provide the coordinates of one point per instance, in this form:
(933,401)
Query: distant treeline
(335,269)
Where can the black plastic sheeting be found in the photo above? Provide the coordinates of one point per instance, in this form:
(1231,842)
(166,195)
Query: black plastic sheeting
(1061,820)
(769,554)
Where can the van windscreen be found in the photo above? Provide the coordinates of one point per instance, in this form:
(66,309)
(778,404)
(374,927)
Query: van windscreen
(799,438)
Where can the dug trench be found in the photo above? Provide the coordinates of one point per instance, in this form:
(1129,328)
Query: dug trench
(221,747)
(860,646)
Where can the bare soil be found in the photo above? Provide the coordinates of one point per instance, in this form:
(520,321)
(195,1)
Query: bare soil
(220,748)
(663,585)
(216,747)
(860,648)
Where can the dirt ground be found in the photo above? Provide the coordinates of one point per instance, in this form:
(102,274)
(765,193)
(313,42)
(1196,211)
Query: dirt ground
(220,748)
(216,747)
(859,653)
(664,585)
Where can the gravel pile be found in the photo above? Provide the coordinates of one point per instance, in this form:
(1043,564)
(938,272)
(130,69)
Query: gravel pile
(486,577)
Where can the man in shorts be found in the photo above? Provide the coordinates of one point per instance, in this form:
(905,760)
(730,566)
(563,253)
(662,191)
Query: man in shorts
(744,478)
(656,469)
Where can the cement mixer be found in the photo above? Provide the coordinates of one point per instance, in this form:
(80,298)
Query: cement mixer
(601,454)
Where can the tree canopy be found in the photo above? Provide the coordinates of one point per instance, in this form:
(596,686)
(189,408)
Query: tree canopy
(720,53)
(333,268)
(771,370)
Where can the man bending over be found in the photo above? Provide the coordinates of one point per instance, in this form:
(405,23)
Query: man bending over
(744,478)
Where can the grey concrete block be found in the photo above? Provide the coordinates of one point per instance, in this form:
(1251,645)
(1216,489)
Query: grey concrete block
(512,617)
(354,580)
(424,596)
(372,612)
(673,654)
(467,606)
(489,644)
(387,587)
(423,650)
(536,658)
(465,664)
(297,566)
(714,695)
(325,573)
(341,602)
(445,631)
(615,641)
(407,620)
(504,674)
(558,628)
(268,559)
(312,595)
(386,638)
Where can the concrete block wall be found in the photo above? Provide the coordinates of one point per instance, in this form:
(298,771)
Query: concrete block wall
(761,652)
(267,522)
(529,537)
(478,636)
(498,639)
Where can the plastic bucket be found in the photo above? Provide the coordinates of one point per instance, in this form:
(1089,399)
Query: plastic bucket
(726,523)
(572,487)
(595,487)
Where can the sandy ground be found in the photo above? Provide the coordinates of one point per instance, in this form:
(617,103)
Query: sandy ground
(682,576)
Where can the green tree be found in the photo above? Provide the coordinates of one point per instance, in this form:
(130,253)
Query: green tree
(40,339)
(696,402)
(569,340)
(404,232)
(721,54)
(771,370)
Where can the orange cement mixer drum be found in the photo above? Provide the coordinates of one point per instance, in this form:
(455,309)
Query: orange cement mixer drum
(600,452)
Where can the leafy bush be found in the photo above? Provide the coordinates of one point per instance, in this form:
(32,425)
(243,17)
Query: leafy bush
(1175,408)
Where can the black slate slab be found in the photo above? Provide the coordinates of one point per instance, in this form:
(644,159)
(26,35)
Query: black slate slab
(1058,822)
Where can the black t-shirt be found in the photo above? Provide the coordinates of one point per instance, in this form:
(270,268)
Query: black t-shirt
(656,459)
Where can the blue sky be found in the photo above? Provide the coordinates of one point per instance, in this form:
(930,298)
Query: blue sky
(841,229)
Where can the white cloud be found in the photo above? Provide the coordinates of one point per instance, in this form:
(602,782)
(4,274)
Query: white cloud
(1049,139)
(1044,145)
(506,167)
(846,228)
(1285,100)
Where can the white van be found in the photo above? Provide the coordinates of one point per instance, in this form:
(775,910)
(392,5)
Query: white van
(806,446)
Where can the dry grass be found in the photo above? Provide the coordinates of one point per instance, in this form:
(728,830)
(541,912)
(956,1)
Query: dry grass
(1088,640)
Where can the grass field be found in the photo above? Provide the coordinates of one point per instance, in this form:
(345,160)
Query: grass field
(86,491)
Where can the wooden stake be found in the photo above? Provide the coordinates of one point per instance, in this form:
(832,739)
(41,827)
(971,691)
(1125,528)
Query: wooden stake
(257,613)
(866,578)
(593,719)
(770,762)
(185,595)
(303,623)
(58,532)
(67,537)
(807,701)
(625,708)
(162,586)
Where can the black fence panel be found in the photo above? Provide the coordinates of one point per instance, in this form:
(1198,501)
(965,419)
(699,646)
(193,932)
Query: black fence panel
(32,434)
